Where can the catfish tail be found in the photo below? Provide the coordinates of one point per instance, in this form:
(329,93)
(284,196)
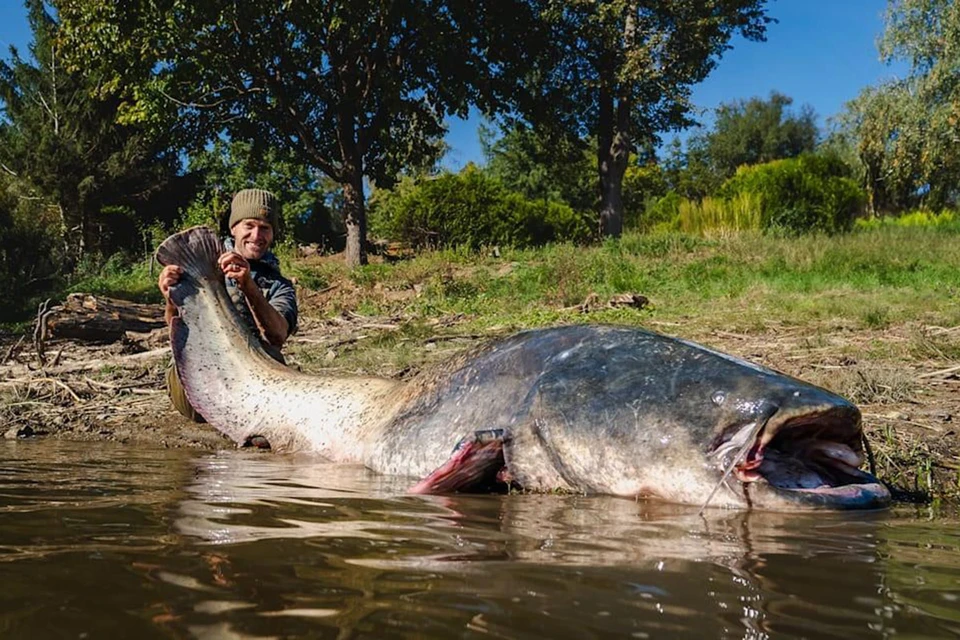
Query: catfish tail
(195,250)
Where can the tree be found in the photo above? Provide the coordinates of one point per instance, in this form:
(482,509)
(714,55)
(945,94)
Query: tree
(352,89)
(229,166)
(541,167)
(907,132)
(62,146)
(756,131)
(621,72)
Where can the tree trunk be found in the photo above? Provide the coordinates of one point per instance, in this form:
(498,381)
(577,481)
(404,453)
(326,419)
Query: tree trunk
(613,153)
(355,219)
(95,319)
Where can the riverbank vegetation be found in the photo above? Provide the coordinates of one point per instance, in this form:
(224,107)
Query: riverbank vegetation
(114,133)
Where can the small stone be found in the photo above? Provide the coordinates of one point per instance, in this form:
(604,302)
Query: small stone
(330,355)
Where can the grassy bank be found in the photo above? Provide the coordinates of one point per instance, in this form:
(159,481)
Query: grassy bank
(740,282)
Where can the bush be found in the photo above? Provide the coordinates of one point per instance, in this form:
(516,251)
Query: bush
(29,262)
(641,185)
(808,193)
(945,220)
(740,213)
(471,209)
(662,214)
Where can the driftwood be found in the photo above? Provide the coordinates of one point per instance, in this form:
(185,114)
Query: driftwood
(96,319)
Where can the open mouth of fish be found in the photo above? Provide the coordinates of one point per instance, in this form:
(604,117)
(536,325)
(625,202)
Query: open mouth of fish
(813,459)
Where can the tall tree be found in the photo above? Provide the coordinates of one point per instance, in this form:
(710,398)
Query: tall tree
(907,132)
(621,72)
(61,143)
(352,89)
(540,167)
(755,131)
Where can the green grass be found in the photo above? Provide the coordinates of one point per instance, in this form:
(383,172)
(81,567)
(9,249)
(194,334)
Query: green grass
(116,279)
(745,281)
(871,278)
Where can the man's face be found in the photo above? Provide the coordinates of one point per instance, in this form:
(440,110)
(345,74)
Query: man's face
(252,238)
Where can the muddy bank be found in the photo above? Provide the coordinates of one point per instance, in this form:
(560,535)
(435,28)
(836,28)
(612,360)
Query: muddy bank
(905,379)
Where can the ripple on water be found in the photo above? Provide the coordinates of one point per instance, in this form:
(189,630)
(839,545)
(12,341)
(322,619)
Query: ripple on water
(152,543)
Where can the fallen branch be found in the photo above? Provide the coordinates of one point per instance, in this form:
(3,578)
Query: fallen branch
(28,381)
(941,372)
(12,351)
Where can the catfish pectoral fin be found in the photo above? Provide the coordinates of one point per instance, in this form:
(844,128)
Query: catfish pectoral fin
(476,464)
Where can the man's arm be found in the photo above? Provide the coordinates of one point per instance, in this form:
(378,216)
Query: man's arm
(273,326)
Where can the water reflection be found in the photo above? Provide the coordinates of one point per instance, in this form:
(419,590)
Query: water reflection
(121,542)
(563,566)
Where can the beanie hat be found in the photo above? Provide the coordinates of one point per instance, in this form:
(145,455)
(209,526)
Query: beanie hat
(254,203)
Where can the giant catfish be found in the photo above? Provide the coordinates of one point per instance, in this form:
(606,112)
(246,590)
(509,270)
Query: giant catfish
(592,409)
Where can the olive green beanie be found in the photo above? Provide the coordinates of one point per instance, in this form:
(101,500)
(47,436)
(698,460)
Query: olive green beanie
(254,203)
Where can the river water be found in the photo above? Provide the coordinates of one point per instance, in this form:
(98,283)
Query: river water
(101,541)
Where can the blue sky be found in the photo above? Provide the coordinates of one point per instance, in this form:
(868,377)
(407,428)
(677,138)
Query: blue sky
(821,53)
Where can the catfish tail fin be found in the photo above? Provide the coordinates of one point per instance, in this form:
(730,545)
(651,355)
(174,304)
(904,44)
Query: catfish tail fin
(195,250)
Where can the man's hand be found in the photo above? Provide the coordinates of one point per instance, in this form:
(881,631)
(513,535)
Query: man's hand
(236,266)
(169,276)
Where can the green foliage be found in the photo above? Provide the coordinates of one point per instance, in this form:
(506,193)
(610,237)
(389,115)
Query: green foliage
(472,210)
(745,132)
(904,130)
(228,167)
(808,193)
(29,258)
(542,167)
(119,276)
(947,220)
(753,131)
(642,184)
(662,213)
(620,73)
(742,212)
(335,85)
(60,142)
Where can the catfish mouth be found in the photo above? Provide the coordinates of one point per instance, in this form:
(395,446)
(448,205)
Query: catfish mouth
(814,460)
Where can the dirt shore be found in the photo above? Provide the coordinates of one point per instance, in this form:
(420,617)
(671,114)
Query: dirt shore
(904,378)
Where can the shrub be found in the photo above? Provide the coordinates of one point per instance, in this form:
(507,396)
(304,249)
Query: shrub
(808,193)
(662,214)
(642,184)
(945,220)
(470,209)
(740,213)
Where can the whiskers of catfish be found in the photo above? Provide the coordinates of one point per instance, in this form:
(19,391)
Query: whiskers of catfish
(730,453)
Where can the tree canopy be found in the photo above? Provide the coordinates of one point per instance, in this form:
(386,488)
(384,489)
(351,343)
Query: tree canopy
(60,143)
(353,89)
(905,132)
(621,73)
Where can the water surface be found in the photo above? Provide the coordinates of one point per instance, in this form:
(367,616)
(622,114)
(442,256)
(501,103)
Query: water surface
(112,541)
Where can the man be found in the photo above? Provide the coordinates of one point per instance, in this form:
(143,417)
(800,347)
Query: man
(265,299)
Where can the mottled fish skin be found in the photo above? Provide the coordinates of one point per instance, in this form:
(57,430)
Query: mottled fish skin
(593,409)
(599,409)
(239,389)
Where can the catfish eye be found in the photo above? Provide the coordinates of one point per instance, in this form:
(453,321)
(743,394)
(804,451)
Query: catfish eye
(718,398)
